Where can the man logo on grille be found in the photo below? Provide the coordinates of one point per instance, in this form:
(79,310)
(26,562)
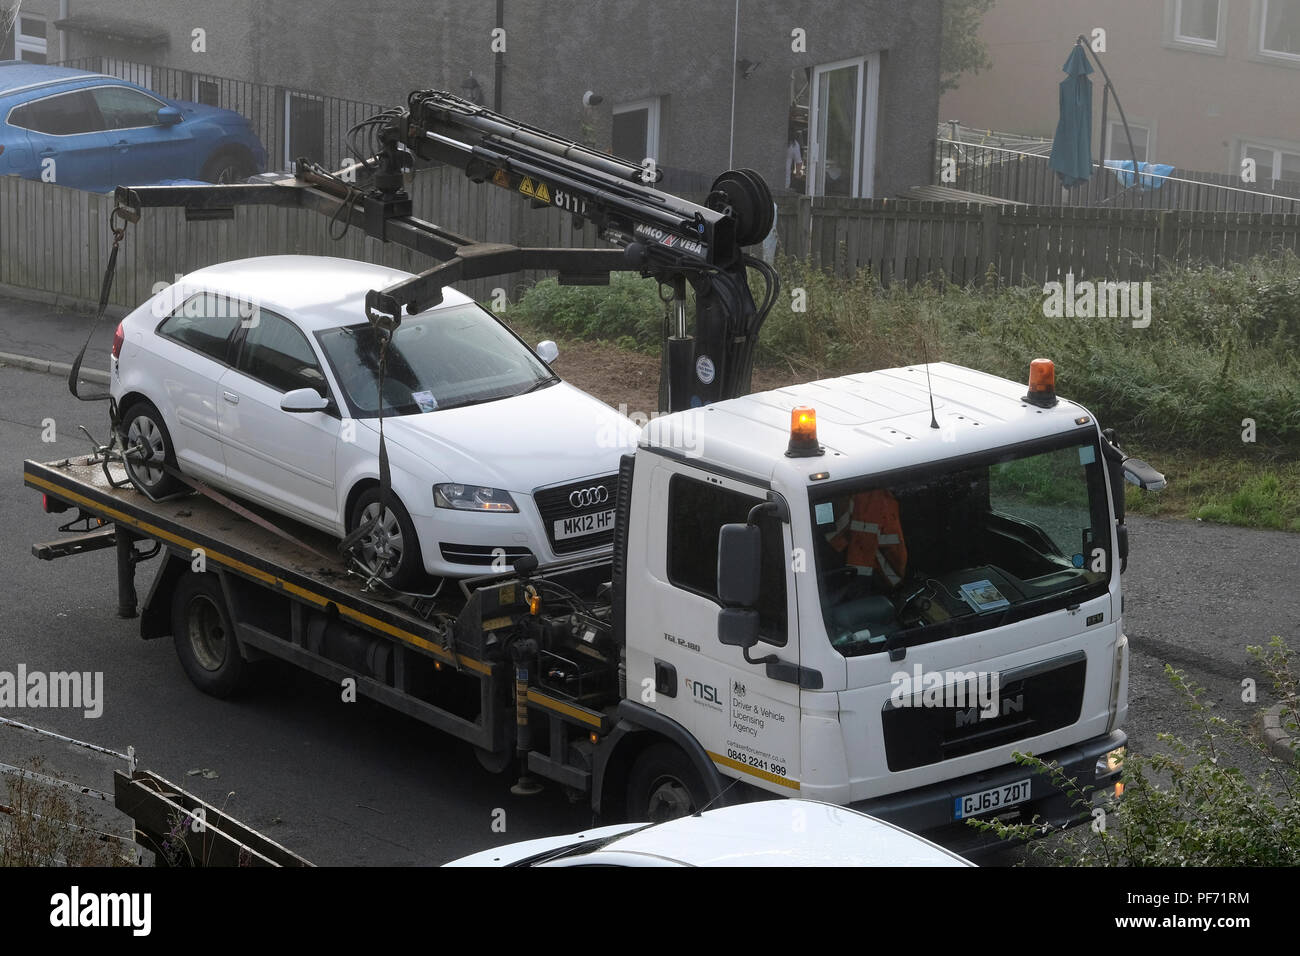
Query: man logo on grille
(589,496)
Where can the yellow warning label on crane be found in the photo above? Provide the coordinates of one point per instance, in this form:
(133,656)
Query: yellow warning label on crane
(501,178)
(542,194)
(527,188)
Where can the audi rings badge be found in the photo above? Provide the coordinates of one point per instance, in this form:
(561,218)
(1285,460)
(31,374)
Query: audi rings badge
(587,497)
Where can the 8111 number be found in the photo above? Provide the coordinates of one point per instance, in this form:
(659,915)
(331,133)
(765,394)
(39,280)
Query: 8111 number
(568,201)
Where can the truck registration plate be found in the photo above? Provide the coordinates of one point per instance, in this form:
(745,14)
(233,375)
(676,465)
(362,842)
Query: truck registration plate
(579,525)
(986,800)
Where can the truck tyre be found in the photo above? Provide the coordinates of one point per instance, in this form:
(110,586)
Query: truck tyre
(664,785)
(142,426)
(205,639)
(393,535)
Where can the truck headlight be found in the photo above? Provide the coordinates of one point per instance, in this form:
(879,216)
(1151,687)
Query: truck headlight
(472,498)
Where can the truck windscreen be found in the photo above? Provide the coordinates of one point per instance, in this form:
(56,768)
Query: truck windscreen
(961,546)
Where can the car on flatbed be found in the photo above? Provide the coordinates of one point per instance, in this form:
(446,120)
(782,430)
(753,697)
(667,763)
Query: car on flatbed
(262,377)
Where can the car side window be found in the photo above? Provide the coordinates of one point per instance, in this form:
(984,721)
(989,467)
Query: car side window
(276,353)
(696,510)
(124,108)
(204,322)
(64,115)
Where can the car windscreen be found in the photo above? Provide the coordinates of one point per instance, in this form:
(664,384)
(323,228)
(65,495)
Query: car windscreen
(962,547)
(445,358)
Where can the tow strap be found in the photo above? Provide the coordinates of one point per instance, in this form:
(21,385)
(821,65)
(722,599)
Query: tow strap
(126,215)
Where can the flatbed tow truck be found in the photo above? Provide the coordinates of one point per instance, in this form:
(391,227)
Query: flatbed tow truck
(629,680)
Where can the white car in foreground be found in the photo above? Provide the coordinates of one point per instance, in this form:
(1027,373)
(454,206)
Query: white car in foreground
(260,377)
(767,833)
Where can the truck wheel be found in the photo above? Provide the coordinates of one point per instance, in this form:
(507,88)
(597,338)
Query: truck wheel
(143,429)
(664,785)
(205,639)
(392,544)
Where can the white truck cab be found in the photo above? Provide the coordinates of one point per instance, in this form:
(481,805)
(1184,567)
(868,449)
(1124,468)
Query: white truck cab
(847,593)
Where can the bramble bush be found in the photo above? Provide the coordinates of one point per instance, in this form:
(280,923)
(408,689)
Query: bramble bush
(1188,805)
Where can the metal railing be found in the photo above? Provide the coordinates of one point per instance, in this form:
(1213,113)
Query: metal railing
(1027,177)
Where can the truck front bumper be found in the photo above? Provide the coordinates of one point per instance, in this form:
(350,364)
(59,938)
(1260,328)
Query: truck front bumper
(929,810)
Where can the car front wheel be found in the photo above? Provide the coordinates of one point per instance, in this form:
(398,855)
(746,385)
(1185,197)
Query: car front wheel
(390,549)
(227,167)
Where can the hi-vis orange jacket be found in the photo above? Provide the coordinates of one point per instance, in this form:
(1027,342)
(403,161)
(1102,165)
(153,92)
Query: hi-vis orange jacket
(873,536)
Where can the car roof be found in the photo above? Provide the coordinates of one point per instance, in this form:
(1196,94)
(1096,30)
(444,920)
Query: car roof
(784,833)
(17,76)
(318,292)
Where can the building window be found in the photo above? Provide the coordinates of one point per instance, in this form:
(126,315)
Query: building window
(1117,146)
(30,39)
(207,92)
(304,128)
(841,158)
(1197,21)
(1279,28)
(1197,25)
(1273,162)
(636,131)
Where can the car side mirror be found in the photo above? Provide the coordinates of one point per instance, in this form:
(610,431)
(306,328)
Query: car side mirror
(302,400)
(548,351)
(169,116)
(740,553)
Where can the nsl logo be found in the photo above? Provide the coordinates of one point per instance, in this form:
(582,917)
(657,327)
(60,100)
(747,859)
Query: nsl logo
(705,692)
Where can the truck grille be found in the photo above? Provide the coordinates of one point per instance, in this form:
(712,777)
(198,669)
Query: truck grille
(1032,700)
(578,499)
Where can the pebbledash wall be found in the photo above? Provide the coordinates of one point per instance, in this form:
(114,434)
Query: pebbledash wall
(682,54)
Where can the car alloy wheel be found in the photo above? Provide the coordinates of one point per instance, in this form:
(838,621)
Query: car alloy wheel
(382,548)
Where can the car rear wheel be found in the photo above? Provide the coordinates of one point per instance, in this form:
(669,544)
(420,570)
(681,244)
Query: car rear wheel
(228,166)
(148,448)
(390,549)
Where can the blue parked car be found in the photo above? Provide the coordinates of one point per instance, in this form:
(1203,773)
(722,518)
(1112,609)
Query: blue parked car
(103,132)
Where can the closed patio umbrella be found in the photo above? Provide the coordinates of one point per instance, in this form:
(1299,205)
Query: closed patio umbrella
(1072,147)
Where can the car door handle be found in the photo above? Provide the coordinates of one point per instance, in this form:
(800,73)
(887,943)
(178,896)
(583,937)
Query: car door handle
(231,397)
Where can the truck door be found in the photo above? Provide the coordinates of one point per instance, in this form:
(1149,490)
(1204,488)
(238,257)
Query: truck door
(747,722)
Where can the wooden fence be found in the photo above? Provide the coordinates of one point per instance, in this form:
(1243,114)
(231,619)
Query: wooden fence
(56,240)
(913,241)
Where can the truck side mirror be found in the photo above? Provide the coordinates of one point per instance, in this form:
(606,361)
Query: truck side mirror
(738,627)
(740,553)
(1138,472)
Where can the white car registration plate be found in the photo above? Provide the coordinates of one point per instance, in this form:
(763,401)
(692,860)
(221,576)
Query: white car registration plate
(987,800)
(579,525)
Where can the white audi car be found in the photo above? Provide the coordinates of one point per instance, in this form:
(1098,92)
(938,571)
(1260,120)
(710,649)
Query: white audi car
(260,377)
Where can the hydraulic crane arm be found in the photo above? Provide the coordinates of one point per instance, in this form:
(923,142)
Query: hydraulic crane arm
(653,232)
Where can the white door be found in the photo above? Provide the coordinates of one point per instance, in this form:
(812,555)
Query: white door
(284,458)
(747,722)
(842,128)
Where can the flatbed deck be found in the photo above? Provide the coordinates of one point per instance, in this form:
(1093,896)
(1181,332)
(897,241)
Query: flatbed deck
(442,661)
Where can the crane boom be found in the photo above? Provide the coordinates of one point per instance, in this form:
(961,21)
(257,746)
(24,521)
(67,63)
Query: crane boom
(658,234)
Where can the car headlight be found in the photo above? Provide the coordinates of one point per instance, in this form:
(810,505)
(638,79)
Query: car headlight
(472,498)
